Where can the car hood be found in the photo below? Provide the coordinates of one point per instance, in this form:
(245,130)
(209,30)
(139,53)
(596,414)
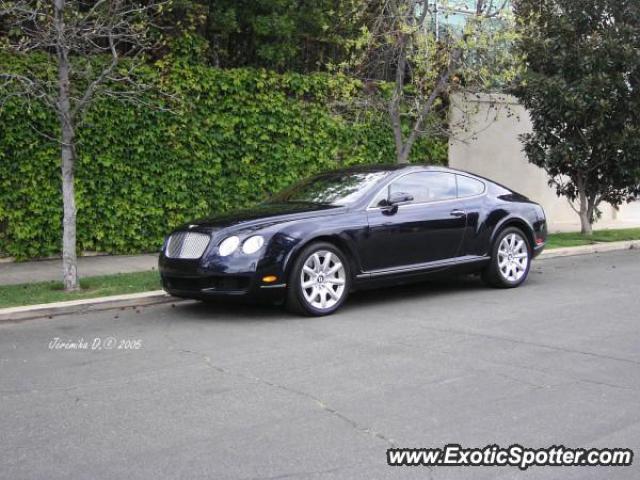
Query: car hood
(263,215)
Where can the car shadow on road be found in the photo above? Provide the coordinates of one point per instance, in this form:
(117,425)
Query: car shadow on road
(435,287)
(232,311)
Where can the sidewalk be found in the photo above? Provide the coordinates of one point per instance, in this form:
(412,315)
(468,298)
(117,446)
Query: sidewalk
(13,273)
(91,266)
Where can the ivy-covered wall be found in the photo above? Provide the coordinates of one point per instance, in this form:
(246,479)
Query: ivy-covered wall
(217,140)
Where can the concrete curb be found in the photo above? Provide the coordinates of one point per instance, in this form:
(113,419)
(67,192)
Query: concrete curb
(159,296)
(587,249)
(28,312)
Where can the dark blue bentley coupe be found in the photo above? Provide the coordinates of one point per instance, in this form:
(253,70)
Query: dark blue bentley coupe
(360,227)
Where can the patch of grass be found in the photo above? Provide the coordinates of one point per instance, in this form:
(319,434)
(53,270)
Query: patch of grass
(574,239)
(91,287)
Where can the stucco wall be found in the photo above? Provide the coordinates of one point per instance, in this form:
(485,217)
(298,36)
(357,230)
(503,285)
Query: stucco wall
(485,142)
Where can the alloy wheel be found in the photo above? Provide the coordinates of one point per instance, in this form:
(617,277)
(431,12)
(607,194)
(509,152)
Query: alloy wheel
(323,279)
(513,257)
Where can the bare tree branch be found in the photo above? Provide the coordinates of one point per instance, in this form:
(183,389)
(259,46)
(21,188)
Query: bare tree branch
(422,62)
(76,37)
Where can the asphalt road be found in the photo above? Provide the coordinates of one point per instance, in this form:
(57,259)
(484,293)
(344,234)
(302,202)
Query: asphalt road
(236,392)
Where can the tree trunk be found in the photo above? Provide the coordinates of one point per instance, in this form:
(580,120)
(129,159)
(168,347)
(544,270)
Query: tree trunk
(586,228)
(586,210)
(69,259)
(394,105)
(396,125)
(403,156)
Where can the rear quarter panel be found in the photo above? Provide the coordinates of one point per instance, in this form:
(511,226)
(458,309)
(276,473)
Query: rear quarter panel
(500,208)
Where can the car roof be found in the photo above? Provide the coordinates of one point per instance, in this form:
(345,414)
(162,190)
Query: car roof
(394,168)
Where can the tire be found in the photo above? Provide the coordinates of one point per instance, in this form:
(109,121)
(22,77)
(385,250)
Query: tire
(316,289)
(510,259)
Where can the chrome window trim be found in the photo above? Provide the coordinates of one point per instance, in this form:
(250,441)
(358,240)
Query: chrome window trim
(371,207)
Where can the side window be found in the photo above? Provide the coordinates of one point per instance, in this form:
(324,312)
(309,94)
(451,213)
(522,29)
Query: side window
(423,187)
(414,184)
(441,186)
(468,187)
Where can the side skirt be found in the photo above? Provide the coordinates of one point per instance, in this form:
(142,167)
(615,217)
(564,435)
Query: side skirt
(465,264)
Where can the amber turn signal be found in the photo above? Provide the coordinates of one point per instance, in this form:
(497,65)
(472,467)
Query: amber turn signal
(269,279)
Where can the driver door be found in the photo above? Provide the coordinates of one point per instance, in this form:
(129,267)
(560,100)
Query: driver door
(428,228)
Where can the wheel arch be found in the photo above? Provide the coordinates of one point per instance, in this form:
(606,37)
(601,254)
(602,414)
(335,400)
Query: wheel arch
(334,239)
(519,223)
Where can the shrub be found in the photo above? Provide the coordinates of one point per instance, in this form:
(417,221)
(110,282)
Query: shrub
(214,141)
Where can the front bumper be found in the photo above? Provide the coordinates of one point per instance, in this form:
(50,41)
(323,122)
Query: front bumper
(213,277)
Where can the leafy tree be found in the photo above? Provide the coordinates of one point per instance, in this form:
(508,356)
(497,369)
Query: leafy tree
(582,89)
(408,43)
(293,35)
(64,34)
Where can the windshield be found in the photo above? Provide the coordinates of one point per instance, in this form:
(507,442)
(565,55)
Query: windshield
(337,188)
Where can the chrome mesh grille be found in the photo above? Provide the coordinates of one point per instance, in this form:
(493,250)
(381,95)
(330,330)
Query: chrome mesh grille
(188,245)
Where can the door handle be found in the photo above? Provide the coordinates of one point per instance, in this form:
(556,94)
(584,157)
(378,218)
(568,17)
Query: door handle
(456,212)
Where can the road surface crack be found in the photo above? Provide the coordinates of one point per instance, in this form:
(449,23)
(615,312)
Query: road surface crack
(533,344)
(283,476)
(317,401)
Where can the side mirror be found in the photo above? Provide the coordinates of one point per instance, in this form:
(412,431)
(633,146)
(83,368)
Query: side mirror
(390,205)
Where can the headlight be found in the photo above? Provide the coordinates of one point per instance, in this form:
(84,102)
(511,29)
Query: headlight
(228,246)
(252,244)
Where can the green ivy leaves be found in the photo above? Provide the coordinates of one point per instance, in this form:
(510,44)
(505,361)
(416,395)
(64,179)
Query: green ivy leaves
(229,139)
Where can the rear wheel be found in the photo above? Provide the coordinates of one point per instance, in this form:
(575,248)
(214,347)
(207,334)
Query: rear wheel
(510,260)
(320,280)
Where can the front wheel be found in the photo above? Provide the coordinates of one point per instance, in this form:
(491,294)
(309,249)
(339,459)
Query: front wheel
(510,260)
(320,280)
